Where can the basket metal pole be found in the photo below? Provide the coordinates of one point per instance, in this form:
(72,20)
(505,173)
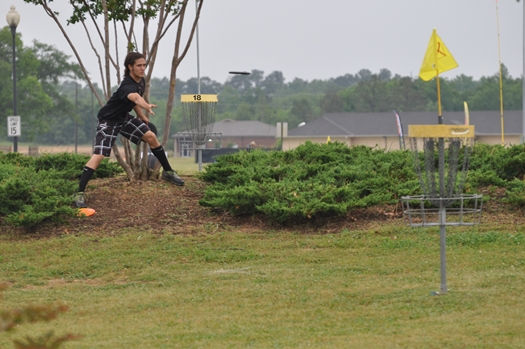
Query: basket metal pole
(443,246)
(199,150)
(442,217)
(441,167)
(423,213)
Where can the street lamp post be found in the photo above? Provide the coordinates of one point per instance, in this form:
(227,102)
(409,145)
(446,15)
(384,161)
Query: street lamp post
(13,18)
(523,77)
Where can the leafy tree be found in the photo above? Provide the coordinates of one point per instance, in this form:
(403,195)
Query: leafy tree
(362,92)
(207,86)
(40,68)
(464,83)
(303,110)
(246,82)
(385,74)
(487,95)
(273,82)
(364,74)
(513,94)
(245,111)
(80,119)
(405,96)
(345,81)
(371,95)
(298,85)
(244,98)
(451,99)
(104,16)
(331,103)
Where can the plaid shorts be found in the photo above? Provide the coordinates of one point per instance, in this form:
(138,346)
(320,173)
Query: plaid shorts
(133,129)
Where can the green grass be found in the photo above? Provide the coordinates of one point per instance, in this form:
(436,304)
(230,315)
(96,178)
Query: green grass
(185,166)
(355,289)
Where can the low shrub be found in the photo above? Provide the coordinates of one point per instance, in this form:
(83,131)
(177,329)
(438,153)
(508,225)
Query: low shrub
(70,165)
(515,194)
(36,189)
(325,180)
(311,181)
(28,197)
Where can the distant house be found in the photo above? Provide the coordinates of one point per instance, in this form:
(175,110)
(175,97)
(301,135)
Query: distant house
(380,129)
(229,133)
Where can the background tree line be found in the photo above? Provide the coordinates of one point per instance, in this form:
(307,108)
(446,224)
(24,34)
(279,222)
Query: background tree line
(57,107)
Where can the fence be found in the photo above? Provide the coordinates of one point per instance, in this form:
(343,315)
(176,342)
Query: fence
(32,150)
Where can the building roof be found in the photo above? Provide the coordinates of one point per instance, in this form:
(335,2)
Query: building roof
(384,124)
(243,128)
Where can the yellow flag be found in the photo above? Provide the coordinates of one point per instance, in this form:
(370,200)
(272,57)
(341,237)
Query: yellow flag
(438,59)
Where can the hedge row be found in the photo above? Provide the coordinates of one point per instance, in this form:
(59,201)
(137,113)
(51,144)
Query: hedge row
(324,180)
(34,189)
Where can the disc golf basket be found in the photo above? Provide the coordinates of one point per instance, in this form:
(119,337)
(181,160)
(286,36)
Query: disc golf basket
(441,158)
(198,112)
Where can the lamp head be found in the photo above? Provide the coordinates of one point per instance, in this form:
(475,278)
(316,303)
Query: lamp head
(13,17)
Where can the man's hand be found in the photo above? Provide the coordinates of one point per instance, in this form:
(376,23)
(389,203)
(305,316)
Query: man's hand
(150,107)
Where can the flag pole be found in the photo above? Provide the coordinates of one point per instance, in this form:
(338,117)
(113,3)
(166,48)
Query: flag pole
(500,82)
(523,81)
(440,113)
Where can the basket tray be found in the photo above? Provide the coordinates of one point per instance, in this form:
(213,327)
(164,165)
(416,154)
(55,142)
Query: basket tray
(426,211)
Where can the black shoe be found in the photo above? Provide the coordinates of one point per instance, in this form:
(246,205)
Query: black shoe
(171,176)
(80,200)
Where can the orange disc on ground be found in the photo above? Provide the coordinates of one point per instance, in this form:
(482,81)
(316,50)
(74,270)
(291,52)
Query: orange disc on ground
(86,212)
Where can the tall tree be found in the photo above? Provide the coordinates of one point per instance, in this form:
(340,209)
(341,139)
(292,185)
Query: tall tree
(101,20)
(273,82)
(331,103)
(404,96)
(207,86)
(486,96)
(39,68)
(385,74)
(303,110)
(371,95)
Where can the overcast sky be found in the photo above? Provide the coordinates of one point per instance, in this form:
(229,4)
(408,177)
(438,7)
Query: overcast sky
(313,39)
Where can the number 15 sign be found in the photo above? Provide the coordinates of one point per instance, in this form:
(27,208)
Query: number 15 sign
(14,126)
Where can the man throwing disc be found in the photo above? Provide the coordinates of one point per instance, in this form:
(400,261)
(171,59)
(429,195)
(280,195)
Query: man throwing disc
(114,119)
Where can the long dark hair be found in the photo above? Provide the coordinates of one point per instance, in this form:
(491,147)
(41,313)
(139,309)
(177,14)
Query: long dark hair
(131,58)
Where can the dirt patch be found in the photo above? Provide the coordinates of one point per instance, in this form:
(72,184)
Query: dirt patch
(159,207)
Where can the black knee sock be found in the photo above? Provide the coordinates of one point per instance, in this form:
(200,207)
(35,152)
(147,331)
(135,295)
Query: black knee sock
(161,155)
(84,178)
